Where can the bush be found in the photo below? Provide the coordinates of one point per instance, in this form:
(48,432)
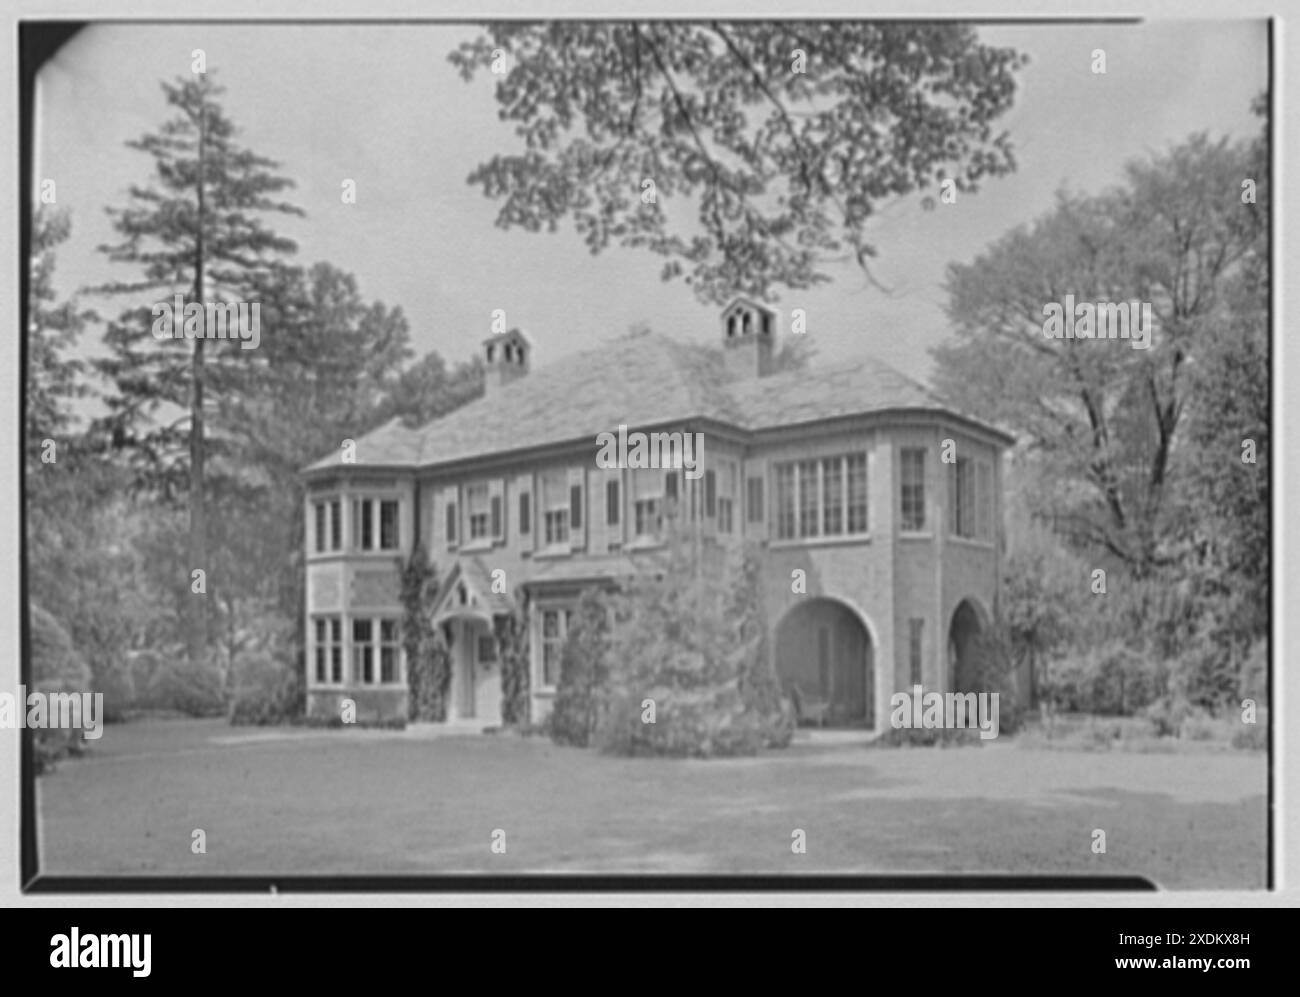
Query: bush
(691,639)
(583,673)
(512,643)
(1253,737)
(1110,678)
(117,683)
(55,667)
(265,691)
(428,675)
(192,689)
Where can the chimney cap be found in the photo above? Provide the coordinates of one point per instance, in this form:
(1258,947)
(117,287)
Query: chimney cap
(501,337)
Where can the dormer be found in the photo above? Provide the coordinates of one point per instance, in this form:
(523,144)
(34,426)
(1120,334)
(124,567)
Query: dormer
(748,332)
(507,356)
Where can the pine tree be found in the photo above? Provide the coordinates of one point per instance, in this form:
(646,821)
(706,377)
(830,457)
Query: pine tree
(195,232)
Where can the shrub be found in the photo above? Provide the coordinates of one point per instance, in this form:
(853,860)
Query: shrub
(428,673)
(1252,737)
(583,672)
(1109,678)
(265,691)
(690,638)
(55,667)
(512,643)
(192,689)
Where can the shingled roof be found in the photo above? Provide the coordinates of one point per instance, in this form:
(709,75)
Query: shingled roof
(645,380)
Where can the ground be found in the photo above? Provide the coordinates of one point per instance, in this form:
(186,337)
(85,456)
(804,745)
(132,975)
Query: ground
(293,801)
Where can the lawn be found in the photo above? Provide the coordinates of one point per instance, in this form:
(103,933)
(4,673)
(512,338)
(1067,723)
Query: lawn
(292,801)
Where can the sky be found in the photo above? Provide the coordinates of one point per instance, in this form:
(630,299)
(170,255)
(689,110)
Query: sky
(381,105)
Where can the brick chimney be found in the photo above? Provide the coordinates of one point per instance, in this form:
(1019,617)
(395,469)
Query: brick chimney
(507,355)
(748,332)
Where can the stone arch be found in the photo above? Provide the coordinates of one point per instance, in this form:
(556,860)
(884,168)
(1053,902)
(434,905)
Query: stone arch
(968,621)
(825,654)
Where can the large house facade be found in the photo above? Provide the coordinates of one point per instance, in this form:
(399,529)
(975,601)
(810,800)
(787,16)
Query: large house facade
(887,501)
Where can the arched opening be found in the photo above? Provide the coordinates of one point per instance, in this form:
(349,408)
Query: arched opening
(824,662)
(963,635)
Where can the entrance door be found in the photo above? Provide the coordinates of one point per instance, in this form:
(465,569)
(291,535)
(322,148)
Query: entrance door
(469,678)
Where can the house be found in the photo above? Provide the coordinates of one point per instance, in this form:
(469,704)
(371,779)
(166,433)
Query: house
(888,501)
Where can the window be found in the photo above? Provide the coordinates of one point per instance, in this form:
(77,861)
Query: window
(555,626)
(825,497)
(389,649)
(648,520)
(374,524)
(913,489)
(321,649)
(724,515)
(754,500)
(363,525)
(984,500)
(388,525)
(525,513)
(833,483)
(557,508)
(374,642)
(451,522)
(857,492)
(476,505)
(611,502)
(915,628)
(961,497)
(363,653)
(336,650)
(328,525)
(486,652)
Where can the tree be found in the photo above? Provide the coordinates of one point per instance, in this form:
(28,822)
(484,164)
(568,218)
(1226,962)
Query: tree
(197,232)
(53,377)
(786,135)
(1108,419)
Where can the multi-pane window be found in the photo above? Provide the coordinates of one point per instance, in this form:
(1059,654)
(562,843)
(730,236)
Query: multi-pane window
(611,502)
(555,626)
(962,497)
(389,649)
(328,649)
(376,649)
(823,497)
(856,470)
(913,489)
(648,520)
(785,501)
(363,653)
(328,525)
(556,507)
(970,495)
(388,525)
(754,500)
(915,628)
(374,524)
(476,506)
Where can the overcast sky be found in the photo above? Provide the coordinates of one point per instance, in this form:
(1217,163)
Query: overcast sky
(382,105)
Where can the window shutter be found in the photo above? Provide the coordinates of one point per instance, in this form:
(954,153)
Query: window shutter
(611,502)
(525,513)
(670,485)
(710,493)
(451,519)
(496,504)
(577,527)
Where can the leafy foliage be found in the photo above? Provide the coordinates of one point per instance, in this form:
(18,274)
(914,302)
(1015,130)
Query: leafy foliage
(584,665)
(427,656)
(513,646)
(785,165)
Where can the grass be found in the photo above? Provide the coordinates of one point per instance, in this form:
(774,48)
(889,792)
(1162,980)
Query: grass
(296,801)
